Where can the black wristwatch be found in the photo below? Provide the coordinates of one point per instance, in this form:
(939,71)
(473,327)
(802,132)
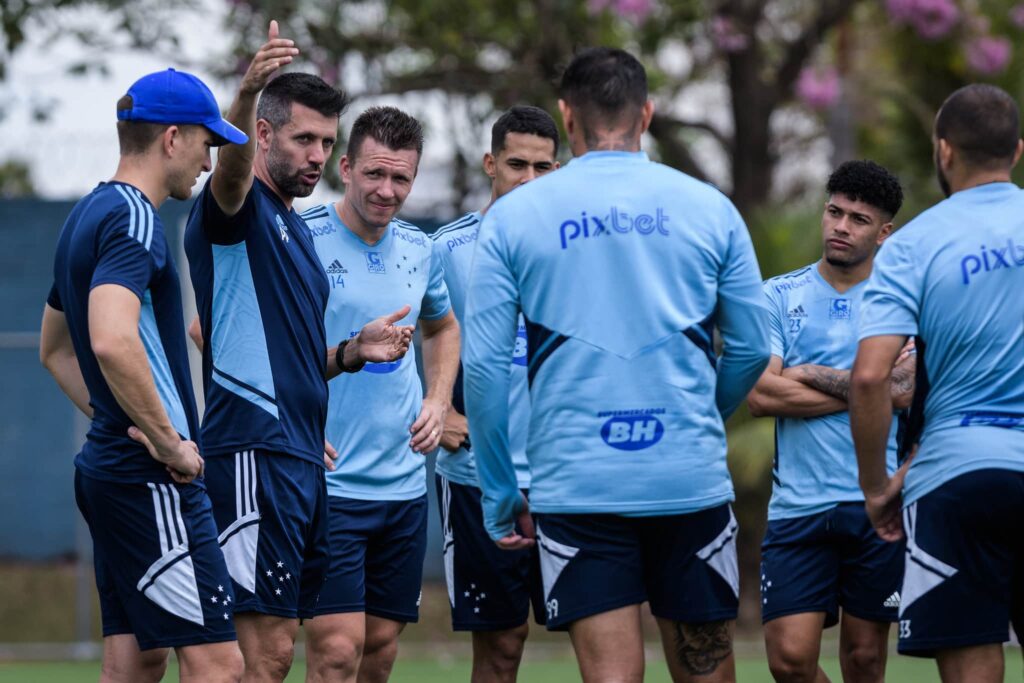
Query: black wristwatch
(339,358)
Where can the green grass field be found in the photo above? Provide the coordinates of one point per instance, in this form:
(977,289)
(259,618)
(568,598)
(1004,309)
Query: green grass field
(900,670)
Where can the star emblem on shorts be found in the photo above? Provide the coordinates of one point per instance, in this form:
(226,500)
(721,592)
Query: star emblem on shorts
(213,599)
(280,564)
(287,575)
(277,591)
(280,578)
(227,599)
(226,616)
(270,573)
(220,589)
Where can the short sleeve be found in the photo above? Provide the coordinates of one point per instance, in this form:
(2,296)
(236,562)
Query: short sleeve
(125,255)
(436,302)
(53,299)
(776,333)
(892,298)
(220,228)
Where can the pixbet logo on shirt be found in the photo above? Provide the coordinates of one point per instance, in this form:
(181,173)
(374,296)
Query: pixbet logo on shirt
(991,259)
(615,222)
(632,430)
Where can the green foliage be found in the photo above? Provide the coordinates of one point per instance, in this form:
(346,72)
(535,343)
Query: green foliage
(16,180)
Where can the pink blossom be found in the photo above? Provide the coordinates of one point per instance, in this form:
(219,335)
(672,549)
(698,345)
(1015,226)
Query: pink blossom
(818,88)
(988,55)
(725,36)
(635,10)
(1017,15)
(931,19)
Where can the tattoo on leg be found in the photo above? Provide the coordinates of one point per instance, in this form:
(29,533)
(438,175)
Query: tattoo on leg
(700,648)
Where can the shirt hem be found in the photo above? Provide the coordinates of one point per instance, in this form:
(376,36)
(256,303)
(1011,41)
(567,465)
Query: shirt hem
(794,513)
(667,507)
(279,448)
(912,495)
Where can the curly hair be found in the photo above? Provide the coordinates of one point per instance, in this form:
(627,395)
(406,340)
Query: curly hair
(865,181)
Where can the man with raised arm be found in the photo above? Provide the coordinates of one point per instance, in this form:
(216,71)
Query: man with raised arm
(621,268)
(820,552)
(379,420)
(952,279)
(261,295)
(113,337)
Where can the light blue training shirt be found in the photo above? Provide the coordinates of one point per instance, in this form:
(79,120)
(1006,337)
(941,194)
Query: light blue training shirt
(621,268)
(954,276)
(815,465)
(454,246)
(369,412)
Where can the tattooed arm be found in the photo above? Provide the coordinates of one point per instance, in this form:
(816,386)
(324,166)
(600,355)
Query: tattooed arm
(837,382)
(775,395)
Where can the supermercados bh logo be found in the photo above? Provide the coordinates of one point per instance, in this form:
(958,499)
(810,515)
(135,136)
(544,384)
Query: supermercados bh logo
(632,430)
(616,221)
(987,260)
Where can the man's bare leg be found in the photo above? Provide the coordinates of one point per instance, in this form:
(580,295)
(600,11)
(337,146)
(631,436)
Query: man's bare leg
(334,647)
(863,649)
(497,654)
(610,646)
(124,662)
(210,663)
(268,644)
(698,652)
(975,664)
(794,645)
(380,650)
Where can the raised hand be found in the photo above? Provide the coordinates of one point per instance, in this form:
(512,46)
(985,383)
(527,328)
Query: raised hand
(381,341)
(274,54)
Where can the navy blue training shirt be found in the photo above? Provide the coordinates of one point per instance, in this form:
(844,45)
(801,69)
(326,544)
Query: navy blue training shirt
(261,295)
(114,236)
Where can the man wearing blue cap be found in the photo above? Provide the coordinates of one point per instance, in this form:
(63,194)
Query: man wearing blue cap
(112,336)
(261,292)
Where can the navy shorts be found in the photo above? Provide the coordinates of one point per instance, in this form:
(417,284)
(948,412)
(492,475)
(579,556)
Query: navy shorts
(377,550)
(964,579)
(833,559)
(271,510)
(159,570)
(489,589)
(685,565)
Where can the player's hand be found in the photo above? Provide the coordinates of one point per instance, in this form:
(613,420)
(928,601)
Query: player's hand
(429,425)
(274,54)
(885,506)
(528,537)
(381,340)
(456,431)
(906,352)
(182,459)
(330,456)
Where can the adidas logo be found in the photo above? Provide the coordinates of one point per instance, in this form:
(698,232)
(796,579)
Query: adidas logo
(799,312)
(893,600)
(336,268)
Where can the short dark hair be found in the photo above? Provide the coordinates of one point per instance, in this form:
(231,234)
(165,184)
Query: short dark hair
(982,122)
(604,84)
(865,181)
(275,105)
(135,137)
(390,126)
(523,118)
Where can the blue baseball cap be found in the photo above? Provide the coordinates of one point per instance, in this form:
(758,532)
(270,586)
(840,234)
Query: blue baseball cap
(179,98)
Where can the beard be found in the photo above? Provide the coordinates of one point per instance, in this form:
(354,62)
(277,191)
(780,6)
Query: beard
(943,180)
(180,186)
(288,180)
